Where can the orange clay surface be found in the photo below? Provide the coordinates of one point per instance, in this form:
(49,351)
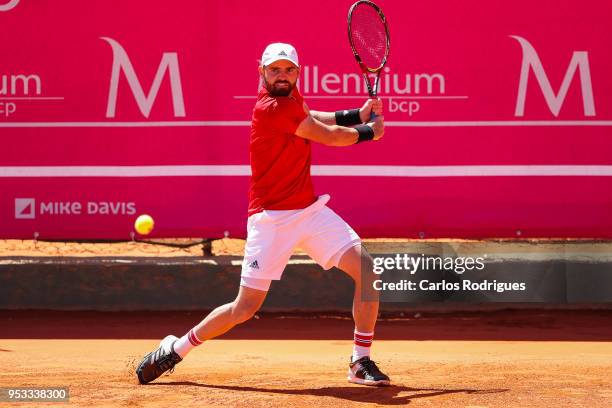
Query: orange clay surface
(501,359)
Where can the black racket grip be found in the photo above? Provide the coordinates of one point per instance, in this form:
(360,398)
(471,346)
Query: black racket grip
(374,95)
(373,116)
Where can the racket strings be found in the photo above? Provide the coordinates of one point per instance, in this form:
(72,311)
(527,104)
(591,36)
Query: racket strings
(369,36)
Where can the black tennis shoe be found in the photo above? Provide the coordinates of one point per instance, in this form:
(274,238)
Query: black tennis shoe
(364,371)
(159,361)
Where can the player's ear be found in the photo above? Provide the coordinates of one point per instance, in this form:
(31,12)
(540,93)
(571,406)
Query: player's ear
(260,69)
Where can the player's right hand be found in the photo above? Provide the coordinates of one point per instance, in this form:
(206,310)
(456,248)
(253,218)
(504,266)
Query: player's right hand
(370,106)
(378,125)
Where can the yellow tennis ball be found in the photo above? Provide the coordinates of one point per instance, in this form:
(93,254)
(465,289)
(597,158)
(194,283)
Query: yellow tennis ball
(144,224)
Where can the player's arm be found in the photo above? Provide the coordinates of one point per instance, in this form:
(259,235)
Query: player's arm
(333,135)
(333,118)
(328,118)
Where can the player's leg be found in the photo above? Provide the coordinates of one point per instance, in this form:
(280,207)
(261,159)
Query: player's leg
(268,248)
(172,350)
(332,242)
(224,317)
(357,263)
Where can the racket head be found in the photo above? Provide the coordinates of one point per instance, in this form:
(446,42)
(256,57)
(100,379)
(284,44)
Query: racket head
(368,34)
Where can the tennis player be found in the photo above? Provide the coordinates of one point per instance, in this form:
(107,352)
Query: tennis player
(284,212)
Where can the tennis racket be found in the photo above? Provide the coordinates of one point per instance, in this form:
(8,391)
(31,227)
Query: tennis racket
(369,38)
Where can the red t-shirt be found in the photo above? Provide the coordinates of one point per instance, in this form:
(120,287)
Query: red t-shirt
(280,160)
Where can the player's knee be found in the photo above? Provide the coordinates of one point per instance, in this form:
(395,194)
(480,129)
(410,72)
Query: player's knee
(360,267)
(243,311)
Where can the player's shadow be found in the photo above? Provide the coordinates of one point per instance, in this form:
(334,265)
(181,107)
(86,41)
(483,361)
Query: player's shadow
(379,395)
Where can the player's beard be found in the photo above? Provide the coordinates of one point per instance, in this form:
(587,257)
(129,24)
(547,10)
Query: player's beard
(276,90)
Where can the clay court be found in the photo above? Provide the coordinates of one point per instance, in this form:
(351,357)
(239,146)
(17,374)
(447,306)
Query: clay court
(497,359)
(189,115)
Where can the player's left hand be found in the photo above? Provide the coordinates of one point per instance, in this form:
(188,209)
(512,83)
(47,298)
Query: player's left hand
(371,105)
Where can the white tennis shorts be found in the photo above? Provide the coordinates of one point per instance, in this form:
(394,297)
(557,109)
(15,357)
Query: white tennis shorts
(273,235)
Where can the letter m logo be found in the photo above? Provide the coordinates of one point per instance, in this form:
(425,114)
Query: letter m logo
(121,62)
(531,61)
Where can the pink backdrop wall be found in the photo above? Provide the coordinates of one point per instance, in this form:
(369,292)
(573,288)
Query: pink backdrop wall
(466,153)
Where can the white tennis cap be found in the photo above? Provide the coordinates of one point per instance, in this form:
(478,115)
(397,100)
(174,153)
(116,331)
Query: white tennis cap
(279,51)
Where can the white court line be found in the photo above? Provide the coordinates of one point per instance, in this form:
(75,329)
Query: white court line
(317,170)
(244,123)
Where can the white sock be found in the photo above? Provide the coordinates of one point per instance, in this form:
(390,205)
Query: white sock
(362,344)
(187,343)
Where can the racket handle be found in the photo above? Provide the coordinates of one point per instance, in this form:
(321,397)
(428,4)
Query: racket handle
(373,95)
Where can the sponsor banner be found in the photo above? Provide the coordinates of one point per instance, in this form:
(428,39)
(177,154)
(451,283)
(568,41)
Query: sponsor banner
(498,117)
